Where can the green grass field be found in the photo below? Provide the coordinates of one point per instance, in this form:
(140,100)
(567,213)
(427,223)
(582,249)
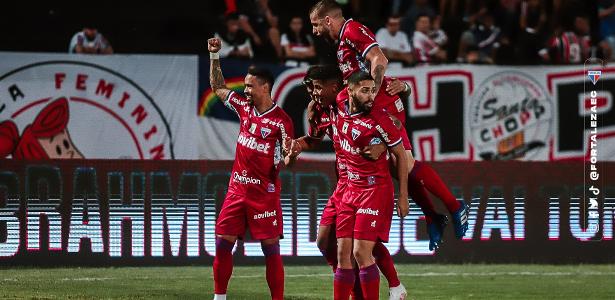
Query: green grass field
(311,282)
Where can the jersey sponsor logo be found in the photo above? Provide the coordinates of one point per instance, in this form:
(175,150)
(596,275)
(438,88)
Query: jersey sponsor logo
(375,141)
(252,143)
(345,67)
(363,123)
(266,214)
(383,133)
(510,117)
(353,176)
(245,179)
(252,128)
(265,132)
(355,133)
(345,128)
(348,148)
(368,211)
(340,54)
(364,31)
(271,188)
(399,105)
(371,180)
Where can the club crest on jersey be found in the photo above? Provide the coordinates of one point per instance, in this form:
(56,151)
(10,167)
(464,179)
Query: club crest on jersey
(594,76)
(252,128)
(265,132)
(355,133)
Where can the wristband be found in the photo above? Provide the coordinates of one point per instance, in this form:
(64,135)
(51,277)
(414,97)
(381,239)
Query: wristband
(214,55)
(406,87)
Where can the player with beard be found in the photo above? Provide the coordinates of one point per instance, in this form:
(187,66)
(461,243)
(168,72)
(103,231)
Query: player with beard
(365,212)
(253,197)
(358,51)
(323,83)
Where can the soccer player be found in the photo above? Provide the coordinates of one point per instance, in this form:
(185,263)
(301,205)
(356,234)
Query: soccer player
(365,212)
(358,51)
(323,84)
(253,196)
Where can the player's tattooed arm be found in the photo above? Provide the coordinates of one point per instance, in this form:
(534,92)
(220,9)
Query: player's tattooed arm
(378,63)
(216,79)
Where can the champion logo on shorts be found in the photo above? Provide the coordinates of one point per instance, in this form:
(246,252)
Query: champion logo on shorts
(271,188)
(267,214)
(368,211)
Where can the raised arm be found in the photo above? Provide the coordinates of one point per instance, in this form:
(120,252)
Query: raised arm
(403,206)
(216,79)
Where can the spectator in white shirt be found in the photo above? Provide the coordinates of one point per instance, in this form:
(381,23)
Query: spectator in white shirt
(89,41)
(297,45)
(425,48)
(394,43)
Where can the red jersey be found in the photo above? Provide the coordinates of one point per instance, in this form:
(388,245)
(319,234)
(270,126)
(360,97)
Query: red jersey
(259,147)
(355,41)
(356,131)
(568,48)
(321,120)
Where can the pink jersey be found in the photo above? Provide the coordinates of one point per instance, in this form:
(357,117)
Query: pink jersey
(355,41)
(356,131)
(321,120)
(259,148)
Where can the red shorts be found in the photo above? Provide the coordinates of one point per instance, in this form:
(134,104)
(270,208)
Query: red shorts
(366,213)
(330,211)
(263,215)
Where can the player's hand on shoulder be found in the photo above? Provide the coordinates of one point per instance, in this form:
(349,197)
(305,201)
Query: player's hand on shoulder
(214,45)
(396,86)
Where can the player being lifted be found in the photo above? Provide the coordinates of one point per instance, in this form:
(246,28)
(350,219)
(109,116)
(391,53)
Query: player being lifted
(253,195)
(358,51)
(323,83)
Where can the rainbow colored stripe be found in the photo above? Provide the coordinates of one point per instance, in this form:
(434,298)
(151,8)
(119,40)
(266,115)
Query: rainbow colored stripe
(209,98)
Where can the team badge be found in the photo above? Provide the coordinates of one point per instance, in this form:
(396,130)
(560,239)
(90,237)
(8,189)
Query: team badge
(594,76)
(265,132)
(355,133)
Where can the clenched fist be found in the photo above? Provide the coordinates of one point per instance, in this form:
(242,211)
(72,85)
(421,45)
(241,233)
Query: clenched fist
(214,45)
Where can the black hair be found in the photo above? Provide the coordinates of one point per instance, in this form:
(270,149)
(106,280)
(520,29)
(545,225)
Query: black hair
(422,15)
(357,77)
(261,74)
(325,73)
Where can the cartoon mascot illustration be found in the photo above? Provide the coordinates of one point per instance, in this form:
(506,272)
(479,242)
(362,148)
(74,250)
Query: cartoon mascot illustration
(46,138)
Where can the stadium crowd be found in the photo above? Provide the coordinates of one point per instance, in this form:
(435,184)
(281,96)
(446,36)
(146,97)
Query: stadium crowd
(432,31)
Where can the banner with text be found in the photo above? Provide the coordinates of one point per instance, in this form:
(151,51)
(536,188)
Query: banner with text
(84,106)
(105,212)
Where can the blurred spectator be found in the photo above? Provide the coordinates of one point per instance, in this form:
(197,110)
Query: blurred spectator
(437,34)
(570,46)
(89,41)
(418,8)
(235,42)
(478,44)
(394,43)
(257,20)
(298,46)
(532,23)
(426,50)
(606,13)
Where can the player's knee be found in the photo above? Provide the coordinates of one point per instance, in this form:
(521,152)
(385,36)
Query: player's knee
(225,243)
(270,247)
(362,255)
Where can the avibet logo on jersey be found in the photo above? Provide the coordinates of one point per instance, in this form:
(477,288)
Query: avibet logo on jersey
(251,143)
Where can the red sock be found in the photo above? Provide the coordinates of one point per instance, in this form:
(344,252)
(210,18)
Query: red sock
(223,265)
(331,257)
(385,264)
(417,192)
(343,282)
(357,291)
(434,184)
(370,282)
(275,270)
